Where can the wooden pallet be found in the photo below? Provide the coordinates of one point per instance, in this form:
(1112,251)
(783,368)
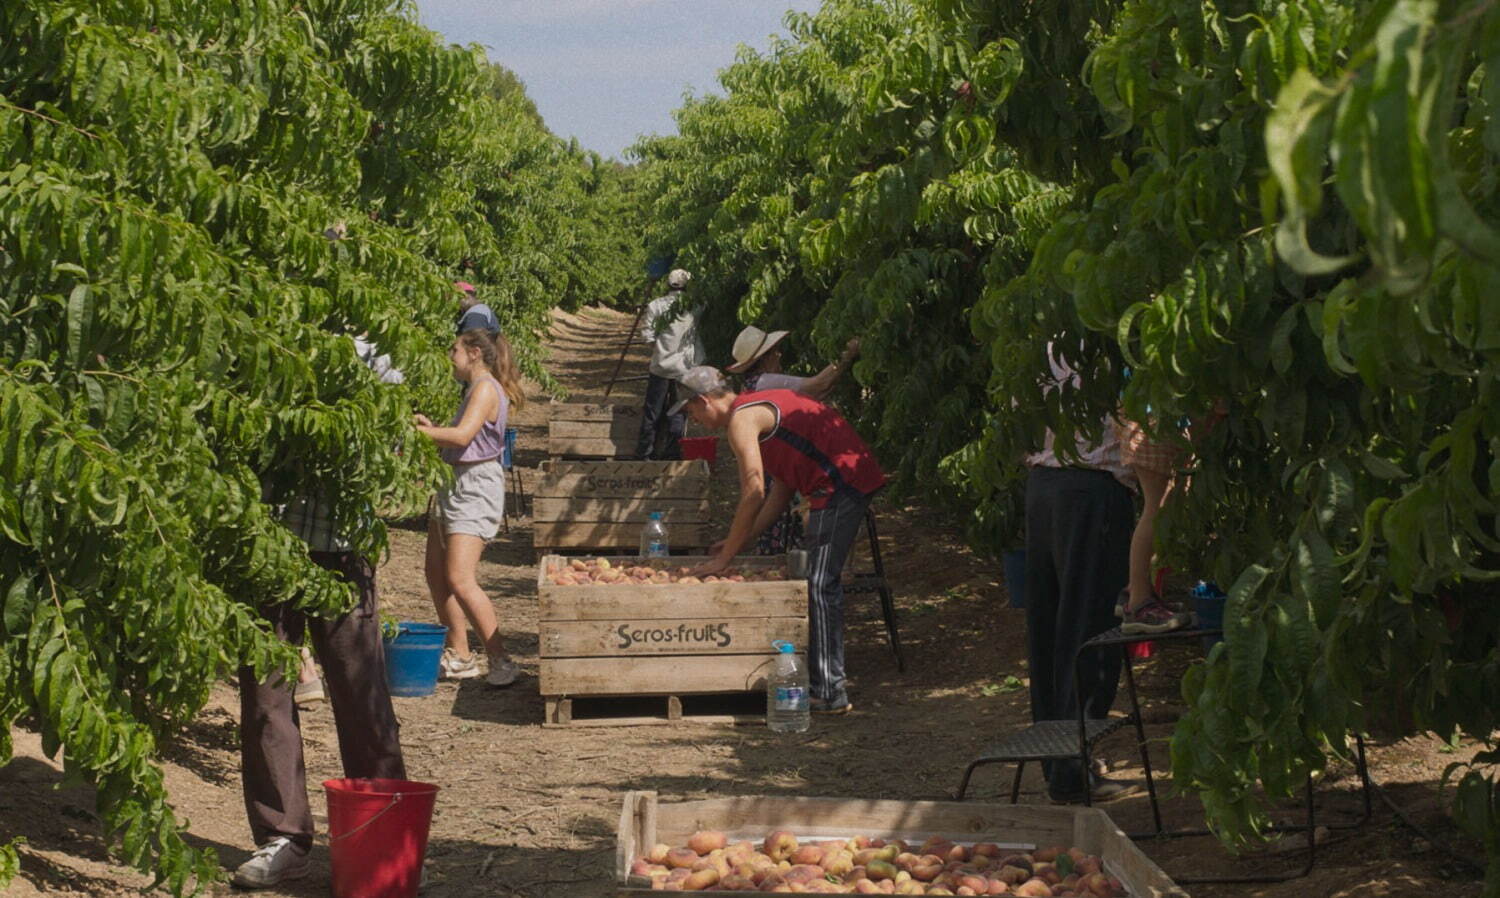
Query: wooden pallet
(722,709)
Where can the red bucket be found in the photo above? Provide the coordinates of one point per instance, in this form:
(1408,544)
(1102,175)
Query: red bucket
(706,448)
(377,836)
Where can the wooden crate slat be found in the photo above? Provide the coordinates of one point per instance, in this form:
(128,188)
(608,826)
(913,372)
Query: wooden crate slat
(614,602)
(672,634)
(619,431)
(666,675)
(595,534)
(622,479)
(593,411)
(598,448)
(644,821)
(636,510)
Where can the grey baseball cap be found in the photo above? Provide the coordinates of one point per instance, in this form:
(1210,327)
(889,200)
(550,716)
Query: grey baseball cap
(698,381)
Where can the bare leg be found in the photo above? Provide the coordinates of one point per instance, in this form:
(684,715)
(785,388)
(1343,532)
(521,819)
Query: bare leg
(1154,486)
(449,613)
(309,670)
(463,558)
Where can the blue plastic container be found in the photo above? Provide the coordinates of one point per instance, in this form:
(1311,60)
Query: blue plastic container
(508,449)
(1015,576)
(412,657)
(1208,606)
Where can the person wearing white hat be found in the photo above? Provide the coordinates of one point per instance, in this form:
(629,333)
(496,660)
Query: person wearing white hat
(671,327)
(757,356)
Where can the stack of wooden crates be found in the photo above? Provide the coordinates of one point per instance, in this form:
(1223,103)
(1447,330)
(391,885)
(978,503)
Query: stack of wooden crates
(586,500)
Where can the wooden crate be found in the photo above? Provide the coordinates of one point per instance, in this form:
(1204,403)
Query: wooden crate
(592,430)
(662,640)
(602,505)
(644,822)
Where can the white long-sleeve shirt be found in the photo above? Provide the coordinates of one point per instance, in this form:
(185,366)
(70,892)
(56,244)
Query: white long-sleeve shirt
(675,344)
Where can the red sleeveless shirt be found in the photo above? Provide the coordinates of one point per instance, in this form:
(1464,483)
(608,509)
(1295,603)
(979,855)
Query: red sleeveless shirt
(812,448)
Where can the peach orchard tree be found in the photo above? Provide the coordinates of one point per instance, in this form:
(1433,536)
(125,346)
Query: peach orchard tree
(200,203)
(1283,209)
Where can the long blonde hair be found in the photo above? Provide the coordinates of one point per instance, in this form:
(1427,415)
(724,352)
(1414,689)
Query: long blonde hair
(500,360)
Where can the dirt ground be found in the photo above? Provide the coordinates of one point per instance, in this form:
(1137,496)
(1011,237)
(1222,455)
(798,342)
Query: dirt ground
(532,811)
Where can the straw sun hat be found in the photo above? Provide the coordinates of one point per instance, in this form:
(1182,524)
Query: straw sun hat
(750,345)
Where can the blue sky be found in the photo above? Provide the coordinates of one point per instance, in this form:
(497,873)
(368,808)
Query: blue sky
(606,71)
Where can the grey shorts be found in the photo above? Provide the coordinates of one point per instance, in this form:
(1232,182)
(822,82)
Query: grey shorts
(475,502)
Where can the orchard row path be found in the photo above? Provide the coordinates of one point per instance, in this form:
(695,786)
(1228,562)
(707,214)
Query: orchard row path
(532,811)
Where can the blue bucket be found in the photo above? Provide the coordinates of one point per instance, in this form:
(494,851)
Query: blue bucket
(1208,606)
(412,657)
(508,449)
(1015,576)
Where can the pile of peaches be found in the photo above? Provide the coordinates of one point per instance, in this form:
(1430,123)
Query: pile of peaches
(603,572)
(867,866)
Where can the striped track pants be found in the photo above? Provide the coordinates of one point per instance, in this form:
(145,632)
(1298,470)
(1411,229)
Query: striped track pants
(830,534)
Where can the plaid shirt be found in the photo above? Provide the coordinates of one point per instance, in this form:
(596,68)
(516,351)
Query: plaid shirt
(311,519)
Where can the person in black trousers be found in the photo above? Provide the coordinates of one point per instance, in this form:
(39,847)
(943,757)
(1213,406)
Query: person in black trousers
(1080,515)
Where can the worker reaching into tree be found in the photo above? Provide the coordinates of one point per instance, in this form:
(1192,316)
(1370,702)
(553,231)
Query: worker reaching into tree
(672,330)
(1079,517)
(805,447)
(757,359)
(349,645)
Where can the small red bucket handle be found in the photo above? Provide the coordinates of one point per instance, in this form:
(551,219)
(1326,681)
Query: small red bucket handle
(395,800)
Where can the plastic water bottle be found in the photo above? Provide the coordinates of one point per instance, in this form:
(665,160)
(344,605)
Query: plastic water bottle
(654,537)
(787,693)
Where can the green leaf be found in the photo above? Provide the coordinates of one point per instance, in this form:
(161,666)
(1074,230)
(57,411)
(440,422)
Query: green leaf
(10,860)
(80,318)
(1244,633)
(1281,340)
(20,598)
(1473,805)
(1315,575)
(1297,135)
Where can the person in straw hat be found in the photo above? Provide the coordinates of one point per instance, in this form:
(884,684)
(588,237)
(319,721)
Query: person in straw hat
(757,356)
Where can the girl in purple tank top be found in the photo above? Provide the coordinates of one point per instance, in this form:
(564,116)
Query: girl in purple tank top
(468,511)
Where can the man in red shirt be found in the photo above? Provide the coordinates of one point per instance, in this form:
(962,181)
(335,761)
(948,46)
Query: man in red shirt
(806,447)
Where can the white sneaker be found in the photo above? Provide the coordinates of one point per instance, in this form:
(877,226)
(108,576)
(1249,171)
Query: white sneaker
(274,862)
(453,667)
(502,672)
(307,695)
